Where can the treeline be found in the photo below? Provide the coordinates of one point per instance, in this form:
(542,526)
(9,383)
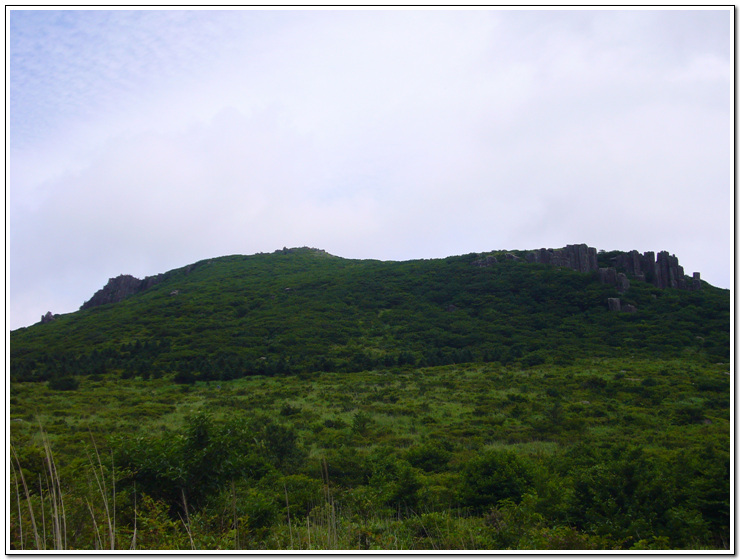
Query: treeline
(139,360)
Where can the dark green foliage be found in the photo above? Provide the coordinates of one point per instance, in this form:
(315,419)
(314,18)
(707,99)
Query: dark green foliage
(183,470)
(544,457)
(626,493)
(63,383)
(493,477)
(396,482)
(429,457)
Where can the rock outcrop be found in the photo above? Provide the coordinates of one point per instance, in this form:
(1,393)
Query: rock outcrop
(119,288)
(578,257)
(615,304)
(610,276)
(668,273)
(48,318)
(662,272)
(488,260)
(623,284)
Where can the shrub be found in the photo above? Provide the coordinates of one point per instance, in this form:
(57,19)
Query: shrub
(430,457)
(184,377)
(493,477)
(396,482)
(63,383)
(346,467)
(534,359)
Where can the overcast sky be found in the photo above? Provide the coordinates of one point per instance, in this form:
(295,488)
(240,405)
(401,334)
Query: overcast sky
(141,141)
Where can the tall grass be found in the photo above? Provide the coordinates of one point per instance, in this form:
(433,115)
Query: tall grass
(110,511)
(47,503)
(39,520)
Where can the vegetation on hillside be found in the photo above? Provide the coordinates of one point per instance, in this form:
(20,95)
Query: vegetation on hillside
(302,401)
(301,310)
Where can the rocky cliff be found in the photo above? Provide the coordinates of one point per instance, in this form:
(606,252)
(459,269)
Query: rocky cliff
(119,288)
(578,257)
(663,271)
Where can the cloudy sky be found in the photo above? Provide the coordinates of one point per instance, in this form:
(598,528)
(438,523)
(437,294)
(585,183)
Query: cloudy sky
(141,141)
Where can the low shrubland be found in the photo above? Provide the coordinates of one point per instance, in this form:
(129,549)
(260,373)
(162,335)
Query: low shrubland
(602,453)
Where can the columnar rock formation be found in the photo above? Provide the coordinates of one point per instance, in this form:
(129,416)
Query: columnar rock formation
(578,257)
(610,275)
(663,272)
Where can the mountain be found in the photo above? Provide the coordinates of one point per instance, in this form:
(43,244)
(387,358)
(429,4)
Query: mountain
(303,310)
(565,399)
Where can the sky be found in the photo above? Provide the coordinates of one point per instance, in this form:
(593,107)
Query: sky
(139,141)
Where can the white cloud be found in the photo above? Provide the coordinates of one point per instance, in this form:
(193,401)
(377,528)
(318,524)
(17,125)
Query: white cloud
(176,136)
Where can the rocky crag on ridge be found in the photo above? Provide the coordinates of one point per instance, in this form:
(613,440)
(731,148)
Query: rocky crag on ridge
(662,272)
(121,287)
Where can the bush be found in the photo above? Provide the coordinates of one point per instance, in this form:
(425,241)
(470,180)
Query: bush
(534,359)
(430,457)
(493,477)
(303,494)
(397,483)
(184,377)
(346,467)
(63,383)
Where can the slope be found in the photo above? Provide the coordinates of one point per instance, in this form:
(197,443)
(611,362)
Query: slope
(302,310)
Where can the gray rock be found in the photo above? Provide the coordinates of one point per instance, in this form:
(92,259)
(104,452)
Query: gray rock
(668,272)
(696,281)
(577,257)
(48,318)
(615,304)
(608,276)
(663,272)
(488,260)
(622,283)
(119,288)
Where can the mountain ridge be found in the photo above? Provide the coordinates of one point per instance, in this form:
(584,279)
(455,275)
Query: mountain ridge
(663,273)
(290,312)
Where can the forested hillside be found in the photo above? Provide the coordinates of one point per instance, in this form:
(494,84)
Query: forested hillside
(302,310)
(298,400)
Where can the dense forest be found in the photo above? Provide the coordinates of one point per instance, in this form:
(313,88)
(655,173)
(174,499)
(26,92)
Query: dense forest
(297,400)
